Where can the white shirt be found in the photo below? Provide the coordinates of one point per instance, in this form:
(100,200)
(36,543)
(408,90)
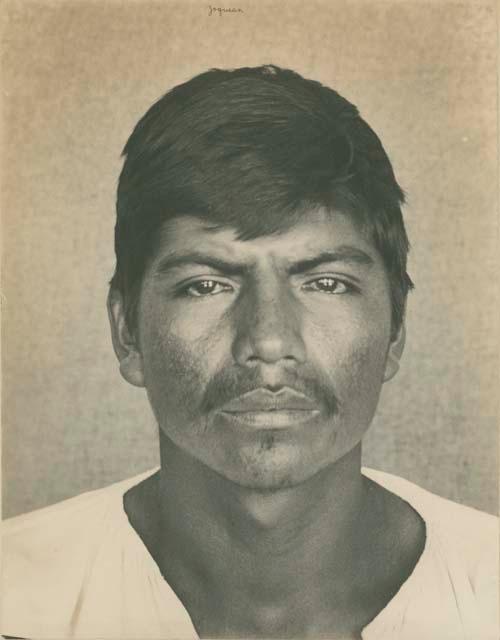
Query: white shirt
(79,570)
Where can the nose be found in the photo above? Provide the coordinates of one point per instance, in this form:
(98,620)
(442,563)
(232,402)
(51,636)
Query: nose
(268,328)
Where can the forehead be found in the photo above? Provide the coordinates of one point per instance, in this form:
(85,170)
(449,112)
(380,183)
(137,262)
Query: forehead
(315,232)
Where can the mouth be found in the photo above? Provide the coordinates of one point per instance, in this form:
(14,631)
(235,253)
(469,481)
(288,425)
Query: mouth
(286,399)
(271,418)
(262,408)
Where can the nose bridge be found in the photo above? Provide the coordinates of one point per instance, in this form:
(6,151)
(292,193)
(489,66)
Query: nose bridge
(269,326)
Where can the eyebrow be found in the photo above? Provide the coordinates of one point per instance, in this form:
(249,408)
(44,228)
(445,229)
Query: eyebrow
(171,262)
(344,253)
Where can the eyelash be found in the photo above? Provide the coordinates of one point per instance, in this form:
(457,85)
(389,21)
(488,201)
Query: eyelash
(185,289)
(348,287)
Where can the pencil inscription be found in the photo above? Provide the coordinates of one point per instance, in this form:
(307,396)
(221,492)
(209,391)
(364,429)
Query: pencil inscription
(221,10)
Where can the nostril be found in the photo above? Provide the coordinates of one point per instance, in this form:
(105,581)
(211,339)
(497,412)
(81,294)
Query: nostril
(274,388)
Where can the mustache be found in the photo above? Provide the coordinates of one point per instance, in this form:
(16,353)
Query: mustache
(229,384)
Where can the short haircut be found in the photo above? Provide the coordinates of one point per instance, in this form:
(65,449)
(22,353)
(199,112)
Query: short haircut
(254,149)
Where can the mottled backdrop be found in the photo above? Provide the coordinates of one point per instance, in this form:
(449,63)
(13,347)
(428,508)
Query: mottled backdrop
(78,75)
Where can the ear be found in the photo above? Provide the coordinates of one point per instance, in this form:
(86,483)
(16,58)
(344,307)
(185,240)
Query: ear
(395,352)
(124,343)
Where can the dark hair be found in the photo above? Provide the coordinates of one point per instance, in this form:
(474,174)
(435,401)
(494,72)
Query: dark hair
(254,148)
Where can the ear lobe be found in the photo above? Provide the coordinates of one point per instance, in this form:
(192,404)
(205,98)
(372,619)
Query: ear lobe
(394,354)
(124,343)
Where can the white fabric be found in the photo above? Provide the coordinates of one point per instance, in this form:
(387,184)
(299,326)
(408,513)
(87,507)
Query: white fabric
(79,570)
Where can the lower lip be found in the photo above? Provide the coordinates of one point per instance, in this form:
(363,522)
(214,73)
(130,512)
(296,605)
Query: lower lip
(272,419)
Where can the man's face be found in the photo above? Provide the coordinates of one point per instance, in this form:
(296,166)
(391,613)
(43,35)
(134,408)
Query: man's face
(264,359)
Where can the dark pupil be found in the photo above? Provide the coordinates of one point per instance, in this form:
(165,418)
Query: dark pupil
(205,286)
(327,282)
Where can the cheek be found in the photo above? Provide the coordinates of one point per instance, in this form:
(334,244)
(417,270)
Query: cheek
(364,370)
(353,353)
(180,356)
(175,376)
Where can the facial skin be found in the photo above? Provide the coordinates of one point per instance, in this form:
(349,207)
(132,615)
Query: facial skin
(306,335)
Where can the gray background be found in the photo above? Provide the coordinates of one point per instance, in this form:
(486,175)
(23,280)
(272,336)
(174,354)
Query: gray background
(78,75)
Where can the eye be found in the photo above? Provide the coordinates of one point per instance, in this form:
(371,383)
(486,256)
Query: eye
(327,284)
(204,288)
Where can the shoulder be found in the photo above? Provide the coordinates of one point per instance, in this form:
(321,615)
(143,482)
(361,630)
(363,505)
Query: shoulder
(468,531)
(414,493)
(58,530)
(47,556)
(462,542)
(49,525)
(454,585)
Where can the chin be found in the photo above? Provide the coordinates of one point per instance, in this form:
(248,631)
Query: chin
(278,467)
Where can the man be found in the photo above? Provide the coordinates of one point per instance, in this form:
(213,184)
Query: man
(259,298)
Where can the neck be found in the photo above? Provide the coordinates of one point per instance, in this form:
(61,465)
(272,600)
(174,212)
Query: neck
(324,556)
(299,528)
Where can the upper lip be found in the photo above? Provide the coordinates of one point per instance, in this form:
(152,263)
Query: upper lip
(285,399)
